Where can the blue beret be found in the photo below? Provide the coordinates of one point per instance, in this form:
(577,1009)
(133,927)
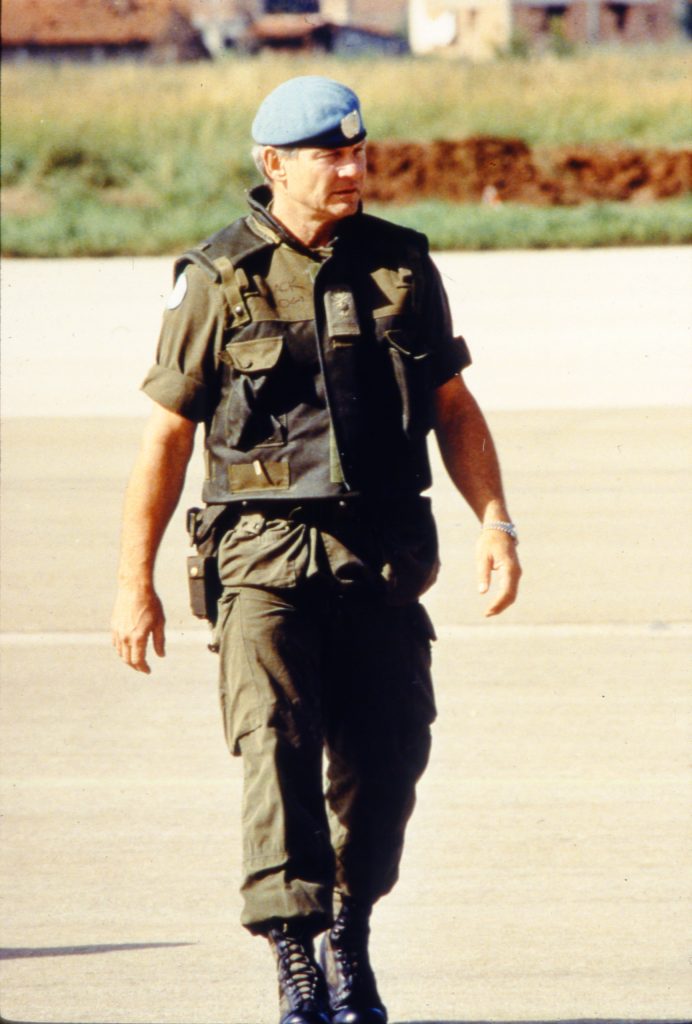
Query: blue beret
(309,111)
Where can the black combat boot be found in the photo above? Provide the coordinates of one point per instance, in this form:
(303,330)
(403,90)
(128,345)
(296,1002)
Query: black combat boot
(353,995)
(302,989)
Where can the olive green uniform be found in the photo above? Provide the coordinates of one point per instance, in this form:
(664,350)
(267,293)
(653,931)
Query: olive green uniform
(313,372)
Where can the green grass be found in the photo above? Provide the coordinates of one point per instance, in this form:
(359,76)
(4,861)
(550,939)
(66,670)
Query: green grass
(87,228)
(638,96)
(84,225)
(513,226)
(135,158)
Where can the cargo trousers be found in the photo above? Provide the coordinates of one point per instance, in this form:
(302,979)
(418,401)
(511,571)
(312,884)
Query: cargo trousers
(324,660)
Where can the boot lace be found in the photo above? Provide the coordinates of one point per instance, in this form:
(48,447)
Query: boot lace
(349,941)
(298,975)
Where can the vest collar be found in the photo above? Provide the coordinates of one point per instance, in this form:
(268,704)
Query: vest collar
(259,199)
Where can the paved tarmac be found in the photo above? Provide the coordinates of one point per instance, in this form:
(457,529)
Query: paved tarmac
(546,876)
(601,328)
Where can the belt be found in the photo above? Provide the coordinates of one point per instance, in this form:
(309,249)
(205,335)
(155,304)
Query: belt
(325,512)
(320,512)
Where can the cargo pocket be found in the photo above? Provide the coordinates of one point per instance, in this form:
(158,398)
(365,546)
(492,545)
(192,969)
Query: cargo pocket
(421,636)
(250,422)
(409,546)
(415,710)
(411,373)
(263,552)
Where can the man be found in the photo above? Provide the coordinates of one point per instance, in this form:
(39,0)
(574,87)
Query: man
(314,343)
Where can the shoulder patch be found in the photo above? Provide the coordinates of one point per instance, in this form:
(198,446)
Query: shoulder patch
(178,293)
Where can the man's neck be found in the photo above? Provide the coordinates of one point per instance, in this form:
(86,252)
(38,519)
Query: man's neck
(312,231)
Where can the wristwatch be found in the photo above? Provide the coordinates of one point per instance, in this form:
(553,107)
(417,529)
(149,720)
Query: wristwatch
(508,528)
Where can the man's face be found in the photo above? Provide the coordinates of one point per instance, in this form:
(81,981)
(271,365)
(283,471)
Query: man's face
(324,184)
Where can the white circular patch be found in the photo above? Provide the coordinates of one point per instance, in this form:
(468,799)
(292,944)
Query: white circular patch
(178,293)
(350,125)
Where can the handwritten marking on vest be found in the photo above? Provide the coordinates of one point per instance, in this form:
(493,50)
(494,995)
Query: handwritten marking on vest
(292,296)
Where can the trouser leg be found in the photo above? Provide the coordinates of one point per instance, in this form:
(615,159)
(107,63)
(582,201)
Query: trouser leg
(377,720)
(271,701)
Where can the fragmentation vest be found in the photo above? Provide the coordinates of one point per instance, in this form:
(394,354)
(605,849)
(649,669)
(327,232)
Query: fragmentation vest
(323,381)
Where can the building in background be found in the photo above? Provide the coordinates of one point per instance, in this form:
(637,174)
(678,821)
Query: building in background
(390,16)
(96,30)
(194,29)
(330,26)
(479,29)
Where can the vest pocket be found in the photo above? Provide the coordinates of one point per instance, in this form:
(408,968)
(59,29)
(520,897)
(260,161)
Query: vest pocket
(411,373)
(253,366)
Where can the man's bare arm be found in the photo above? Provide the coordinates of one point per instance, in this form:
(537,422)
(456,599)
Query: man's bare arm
(470,459)
(151,498)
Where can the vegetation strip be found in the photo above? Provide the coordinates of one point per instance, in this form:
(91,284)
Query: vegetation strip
(159,156)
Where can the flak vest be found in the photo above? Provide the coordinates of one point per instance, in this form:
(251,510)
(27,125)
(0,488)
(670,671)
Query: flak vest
(323,380)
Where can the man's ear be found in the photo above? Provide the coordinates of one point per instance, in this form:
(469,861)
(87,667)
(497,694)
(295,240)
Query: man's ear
(273,164)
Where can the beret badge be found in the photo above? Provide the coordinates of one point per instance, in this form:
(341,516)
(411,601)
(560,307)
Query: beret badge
(351,124)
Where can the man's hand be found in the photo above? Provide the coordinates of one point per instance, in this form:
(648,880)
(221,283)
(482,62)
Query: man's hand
(152,494)
(470,458)
(497,552)
(137,615)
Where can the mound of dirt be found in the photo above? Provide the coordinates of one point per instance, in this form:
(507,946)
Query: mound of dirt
(494,170)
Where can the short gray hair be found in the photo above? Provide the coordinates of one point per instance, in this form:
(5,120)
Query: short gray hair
(258,156)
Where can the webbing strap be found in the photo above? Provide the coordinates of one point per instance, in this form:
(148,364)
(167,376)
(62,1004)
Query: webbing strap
(232,282)
(197,257)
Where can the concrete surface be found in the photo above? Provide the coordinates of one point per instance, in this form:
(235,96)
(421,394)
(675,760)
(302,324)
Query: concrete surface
(546,876)
(547,330)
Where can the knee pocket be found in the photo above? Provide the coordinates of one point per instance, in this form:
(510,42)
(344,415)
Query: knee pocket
(268,726)
(416,636)
(266,668)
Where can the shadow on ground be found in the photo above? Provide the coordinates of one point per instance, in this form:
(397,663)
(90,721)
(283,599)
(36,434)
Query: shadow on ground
(28,952)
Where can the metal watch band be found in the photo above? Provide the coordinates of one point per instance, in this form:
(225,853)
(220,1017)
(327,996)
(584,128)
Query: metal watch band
(508,528)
